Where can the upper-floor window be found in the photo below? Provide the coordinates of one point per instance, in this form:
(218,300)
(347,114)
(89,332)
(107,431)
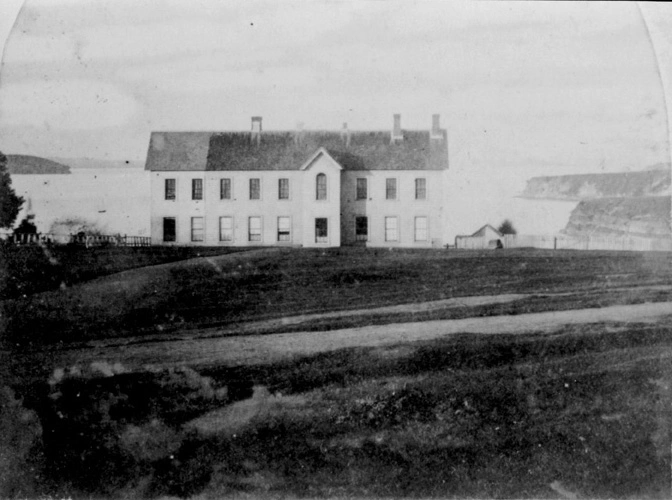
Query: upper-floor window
(390,189)
(321,187)
(361,189)
(196,189)
(225,189)
(255,189)
(283,189)
(170,189)
(420,188)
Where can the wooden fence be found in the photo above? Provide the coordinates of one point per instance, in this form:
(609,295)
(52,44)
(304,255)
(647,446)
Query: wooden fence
(566,242)
(86,240)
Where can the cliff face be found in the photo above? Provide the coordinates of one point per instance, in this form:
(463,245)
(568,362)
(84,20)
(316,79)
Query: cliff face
(25,164)
(646,216)
(590,186)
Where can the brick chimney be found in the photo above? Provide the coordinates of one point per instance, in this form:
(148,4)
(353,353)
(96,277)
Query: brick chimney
(255,136)
(298,134)
(396,130)
(436,127)
(345,135)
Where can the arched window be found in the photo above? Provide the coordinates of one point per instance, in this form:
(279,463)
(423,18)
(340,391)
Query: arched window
(321,187)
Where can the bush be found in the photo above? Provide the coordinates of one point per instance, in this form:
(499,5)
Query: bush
(107,430)
(506,227)
(25,270)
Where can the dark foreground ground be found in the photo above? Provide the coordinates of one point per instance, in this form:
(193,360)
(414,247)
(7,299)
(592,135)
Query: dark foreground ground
(582,410)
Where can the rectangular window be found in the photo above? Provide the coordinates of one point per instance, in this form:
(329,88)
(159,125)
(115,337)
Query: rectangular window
(361,189)
(321,230)
(421,232)
(361,228)
(225,189)
(226,228)
(390,189)
(284,226)
(196,189)
(420,189)
(391,229)
(255,189)
(254,229)
(169,229)
(197,226)
(170,189)
(283,189)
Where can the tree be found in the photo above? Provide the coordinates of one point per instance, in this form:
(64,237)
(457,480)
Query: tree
(506,227)
(10,204)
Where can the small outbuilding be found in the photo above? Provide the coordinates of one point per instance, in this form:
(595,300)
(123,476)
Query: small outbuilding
(486,237)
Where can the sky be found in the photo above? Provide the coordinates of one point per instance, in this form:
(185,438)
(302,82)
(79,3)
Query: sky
(528,87)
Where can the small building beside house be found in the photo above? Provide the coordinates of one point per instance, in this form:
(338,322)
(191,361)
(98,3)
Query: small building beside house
(486,237)
(300,188)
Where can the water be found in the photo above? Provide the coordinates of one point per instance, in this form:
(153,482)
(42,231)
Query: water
(118,201)
(112,200)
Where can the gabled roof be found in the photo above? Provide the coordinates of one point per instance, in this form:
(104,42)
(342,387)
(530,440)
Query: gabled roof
(481,232)
(316,156)
(289,151)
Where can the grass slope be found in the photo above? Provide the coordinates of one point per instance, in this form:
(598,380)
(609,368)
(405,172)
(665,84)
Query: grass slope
(272,283)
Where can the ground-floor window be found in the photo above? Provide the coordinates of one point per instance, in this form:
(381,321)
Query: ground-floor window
(284,229)
(361,228)
(421,233)
(254,229)
(321,230)
(197,229)
(391,229)
(169,229)
(226,228)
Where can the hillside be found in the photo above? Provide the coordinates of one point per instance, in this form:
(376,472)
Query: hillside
(99,163)
(650,182)
(645,216)
(26,164)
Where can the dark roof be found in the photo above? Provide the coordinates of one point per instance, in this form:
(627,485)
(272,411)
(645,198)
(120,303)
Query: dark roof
(289,151)
(481,232)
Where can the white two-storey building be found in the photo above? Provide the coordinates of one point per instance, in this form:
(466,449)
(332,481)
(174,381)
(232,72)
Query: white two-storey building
(302,188)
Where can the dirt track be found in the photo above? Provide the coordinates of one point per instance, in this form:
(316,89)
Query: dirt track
(255,349)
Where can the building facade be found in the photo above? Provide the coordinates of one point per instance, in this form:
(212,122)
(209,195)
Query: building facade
(299,188)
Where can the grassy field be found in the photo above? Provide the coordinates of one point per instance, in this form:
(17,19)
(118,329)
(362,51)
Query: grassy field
(221,291)
(583,410)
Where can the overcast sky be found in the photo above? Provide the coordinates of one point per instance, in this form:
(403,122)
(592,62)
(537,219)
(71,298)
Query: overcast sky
(557,87)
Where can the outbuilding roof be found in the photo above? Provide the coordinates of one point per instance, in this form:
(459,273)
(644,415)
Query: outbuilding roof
(212,151)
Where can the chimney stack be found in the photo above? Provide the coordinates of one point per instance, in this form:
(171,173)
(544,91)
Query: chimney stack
(436,127)
(298,134)
(396,130)
(345,135)
(255,136)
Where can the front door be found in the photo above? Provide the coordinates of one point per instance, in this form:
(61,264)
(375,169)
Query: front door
(321,230)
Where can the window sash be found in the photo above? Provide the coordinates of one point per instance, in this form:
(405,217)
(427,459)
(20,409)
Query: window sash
(170,189)
(255,189)
(420,188)
(421,229)
(361,189)
(283,189)
(197,229)
(226,228)
(391,229)
(284,229)
(169,229)
(254,229)
(196,189)
(361,228)
(321,187)
(390,189)
(225,189)
(321,230)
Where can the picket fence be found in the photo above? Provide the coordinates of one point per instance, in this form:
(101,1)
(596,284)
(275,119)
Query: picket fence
(87,240)
(566,242)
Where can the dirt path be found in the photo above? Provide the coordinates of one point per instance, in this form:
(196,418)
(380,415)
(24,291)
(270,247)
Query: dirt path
(255,349)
